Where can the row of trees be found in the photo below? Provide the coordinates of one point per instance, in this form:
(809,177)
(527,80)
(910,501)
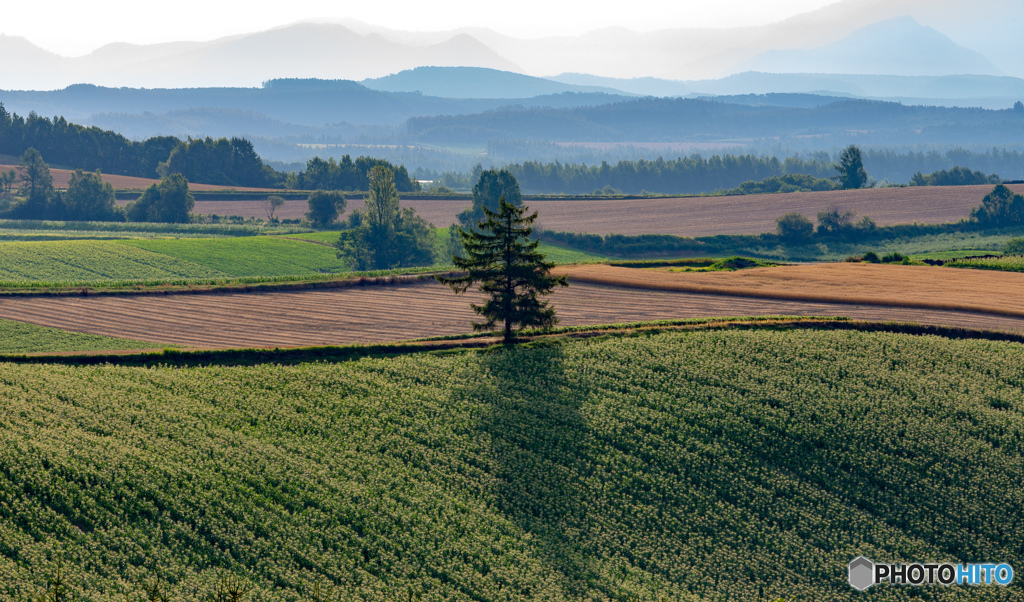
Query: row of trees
(957,176)
(87,148)
(89,198)
(347,174)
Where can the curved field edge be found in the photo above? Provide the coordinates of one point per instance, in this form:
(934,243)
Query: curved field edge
(704,465)
(22,337)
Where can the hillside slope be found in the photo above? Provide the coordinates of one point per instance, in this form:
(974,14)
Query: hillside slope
(707,465)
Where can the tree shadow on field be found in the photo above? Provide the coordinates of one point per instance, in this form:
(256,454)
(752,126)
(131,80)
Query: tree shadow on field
(538,436)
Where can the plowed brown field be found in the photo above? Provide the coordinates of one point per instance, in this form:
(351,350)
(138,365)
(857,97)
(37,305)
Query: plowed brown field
(894,285)
(690,216)
(395,313)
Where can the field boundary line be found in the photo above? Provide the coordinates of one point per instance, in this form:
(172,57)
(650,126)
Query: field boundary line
(183,358)
(224,289)
(701,289)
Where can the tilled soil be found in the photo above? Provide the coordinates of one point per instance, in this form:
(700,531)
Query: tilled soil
(396,313)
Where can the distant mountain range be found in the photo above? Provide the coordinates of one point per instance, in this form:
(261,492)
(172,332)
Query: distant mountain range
(868,37)
(899,46)
(477,82)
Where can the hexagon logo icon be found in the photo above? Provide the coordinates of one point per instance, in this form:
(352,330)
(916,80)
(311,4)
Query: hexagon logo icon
(861,573)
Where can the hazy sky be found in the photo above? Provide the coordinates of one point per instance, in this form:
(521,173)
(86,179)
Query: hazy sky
(75,27)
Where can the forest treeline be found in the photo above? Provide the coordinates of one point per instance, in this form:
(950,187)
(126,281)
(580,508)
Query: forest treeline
(234,162)
(230,162)
(703,120)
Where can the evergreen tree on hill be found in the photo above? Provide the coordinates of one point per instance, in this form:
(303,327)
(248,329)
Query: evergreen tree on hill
(501,257)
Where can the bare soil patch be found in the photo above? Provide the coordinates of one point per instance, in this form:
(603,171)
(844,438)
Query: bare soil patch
(396,313)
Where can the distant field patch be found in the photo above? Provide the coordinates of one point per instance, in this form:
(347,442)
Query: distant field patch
(249,256)
(92,260)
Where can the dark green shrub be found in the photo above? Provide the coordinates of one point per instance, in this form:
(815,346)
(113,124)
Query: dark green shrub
(1015,246)
(871,257)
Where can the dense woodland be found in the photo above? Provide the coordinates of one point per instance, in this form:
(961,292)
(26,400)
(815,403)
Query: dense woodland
(231,162)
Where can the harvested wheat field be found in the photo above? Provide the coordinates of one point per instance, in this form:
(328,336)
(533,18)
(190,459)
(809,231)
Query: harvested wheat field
(396,313)
(688,216)
(893,285)
(753,214)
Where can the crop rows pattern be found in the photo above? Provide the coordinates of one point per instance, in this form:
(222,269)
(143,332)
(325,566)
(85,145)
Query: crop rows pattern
(249,256)
(92,260)
(695,466)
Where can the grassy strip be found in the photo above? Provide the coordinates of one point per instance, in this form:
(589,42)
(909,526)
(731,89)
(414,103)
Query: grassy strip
(192,286)
(22,337)
(218,229)
(302,355)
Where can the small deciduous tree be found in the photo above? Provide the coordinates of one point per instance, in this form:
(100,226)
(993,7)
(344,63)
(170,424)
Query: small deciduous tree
(384,235)
(510,270)
(7,180)
(36,186)
(833,221)
(1001,207)
(324,207)
(493,185)
(850,169)
(794,228)
(1014,246)
(169,202)
(271,205)
(90,198)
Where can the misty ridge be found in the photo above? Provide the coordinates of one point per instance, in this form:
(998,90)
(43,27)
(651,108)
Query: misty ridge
(907,76)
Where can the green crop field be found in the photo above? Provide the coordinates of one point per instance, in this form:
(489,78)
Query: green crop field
(1007,263)
(19,337)
(92,260)
(249,256)
(710,465)
(151,260)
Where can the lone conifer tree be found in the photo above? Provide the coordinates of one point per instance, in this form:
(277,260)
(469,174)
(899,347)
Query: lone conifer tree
(501,257)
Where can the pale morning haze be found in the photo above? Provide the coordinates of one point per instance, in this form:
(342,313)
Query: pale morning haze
(74,28)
